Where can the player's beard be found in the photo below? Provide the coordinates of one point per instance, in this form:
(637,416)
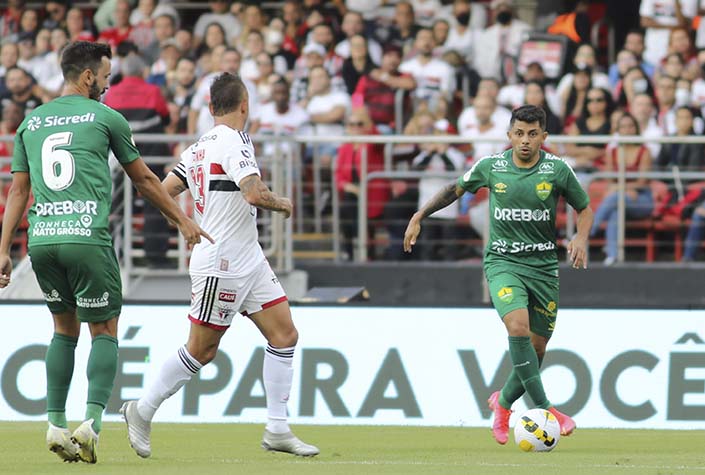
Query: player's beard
(94,91)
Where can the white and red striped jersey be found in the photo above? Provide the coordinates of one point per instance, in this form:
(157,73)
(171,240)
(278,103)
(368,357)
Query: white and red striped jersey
(212,169)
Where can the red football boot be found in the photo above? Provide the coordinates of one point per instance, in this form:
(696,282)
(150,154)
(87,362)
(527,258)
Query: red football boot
(500,426)
(566,422)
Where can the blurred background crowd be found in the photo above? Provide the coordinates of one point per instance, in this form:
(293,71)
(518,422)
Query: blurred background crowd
(398,67)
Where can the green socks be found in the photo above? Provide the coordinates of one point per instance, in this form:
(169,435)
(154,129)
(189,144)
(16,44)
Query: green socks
(102,367)
(59,368)
(526,367)
(512,389)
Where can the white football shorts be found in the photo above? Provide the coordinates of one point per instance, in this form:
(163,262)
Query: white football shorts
(216,300)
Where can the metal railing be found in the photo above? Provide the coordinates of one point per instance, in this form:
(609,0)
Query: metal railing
(286,178)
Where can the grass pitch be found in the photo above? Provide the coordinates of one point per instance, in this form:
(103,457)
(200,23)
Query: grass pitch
(212,449)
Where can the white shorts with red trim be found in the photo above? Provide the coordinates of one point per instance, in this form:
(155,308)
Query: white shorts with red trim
(216,300)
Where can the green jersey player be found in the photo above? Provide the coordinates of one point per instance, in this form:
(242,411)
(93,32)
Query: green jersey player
(61,156)
(520,261)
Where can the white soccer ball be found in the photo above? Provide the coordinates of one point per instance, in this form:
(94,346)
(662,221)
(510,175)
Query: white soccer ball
(537,430)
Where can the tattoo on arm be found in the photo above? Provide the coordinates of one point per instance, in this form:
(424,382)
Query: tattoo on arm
(258,194)
(440,200)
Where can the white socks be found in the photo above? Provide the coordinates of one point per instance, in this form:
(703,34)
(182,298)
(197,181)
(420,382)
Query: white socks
(277,373)
(176,372)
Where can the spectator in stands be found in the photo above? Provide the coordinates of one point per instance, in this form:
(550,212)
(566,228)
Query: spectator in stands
(55,14)
(485,127)
(219,13)
(146,111)
(77,27)
(672,65)
(584,58)
(659,17)
(280,117)
(358,64)
(535,95)
(347,178)
(468,118)
(435,158)
(696,234)
(440,29)
(573,23)
(9,55)
(638,198)
(164,30)
(377,90)
(11,19)
(266,77)
(29,22)
(294,27)
(165,65)
(254,45)
(426,11)
(283,58)
(685,156)
(122,29)
(214,36)
(433,76)
(573,99)
(643,110)
(184,38)
(27,58)
(313,56)
(634,82)
(462,37)
(683,93)
(626,60)
(680,42)
(180,90)
(666,95)
(323,35)
(634,44)
(200,119)
(253,20)
(512,95)
(402,33)
(498,45)
(327,110)
(595,120)
(19,90)
(353,24)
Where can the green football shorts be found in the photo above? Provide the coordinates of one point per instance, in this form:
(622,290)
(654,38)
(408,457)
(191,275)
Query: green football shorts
(510,292)
(79,277)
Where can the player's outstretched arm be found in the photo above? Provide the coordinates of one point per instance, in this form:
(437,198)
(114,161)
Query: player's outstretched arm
(151,188)
(14,210)
(446,196)
(258,194)
(577,248)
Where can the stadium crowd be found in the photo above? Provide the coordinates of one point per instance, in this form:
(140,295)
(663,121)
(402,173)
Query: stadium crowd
(335,68)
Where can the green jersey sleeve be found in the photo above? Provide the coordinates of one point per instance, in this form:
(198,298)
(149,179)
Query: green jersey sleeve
(573,190)
(19,155)
(121,142)
(476,177)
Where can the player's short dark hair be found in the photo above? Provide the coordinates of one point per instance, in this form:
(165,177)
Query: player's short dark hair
(529,114)
(82,55)
(227,93)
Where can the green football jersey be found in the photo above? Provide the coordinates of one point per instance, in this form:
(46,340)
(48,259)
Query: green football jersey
(523,211)
(64,146)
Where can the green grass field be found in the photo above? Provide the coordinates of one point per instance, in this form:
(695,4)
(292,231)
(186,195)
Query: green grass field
(211,449)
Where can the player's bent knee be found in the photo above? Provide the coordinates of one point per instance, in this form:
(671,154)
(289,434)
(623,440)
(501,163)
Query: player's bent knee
(204,354)
(285,339)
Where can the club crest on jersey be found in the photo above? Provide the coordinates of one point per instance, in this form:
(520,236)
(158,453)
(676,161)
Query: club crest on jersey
(543,190)
(506,294)
(500,188)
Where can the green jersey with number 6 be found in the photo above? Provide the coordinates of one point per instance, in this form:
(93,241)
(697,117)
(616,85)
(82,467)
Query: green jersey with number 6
(522,210)
(64,146)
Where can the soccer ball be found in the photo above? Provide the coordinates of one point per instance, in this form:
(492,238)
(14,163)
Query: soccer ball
(537,430)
